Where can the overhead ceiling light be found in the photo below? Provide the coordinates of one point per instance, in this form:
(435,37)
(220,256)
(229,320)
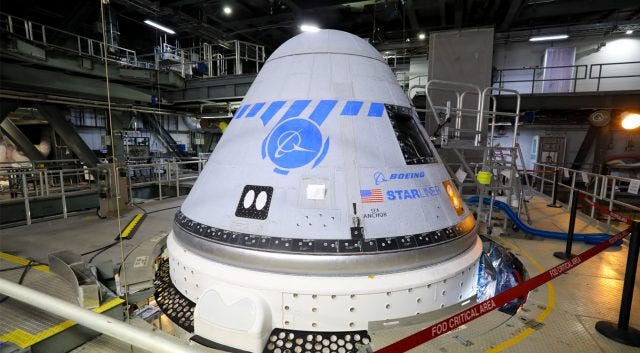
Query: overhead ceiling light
(549,37)
(309,28)
(159,26)
(227,10)
(422,36)
(630,120)
(629,31)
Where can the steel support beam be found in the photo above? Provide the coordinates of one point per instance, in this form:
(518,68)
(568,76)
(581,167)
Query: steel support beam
(514,9)
(580,100)
(592,135)
(67,131)
(39,81)
(21,141)
(215,88)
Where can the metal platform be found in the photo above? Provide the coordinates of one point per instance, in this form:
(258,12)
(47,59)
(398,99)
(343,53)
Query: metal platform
(37,330)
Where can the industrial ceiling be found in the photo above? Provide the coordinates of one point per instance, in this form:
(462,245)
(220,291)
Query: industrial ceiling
(388,24)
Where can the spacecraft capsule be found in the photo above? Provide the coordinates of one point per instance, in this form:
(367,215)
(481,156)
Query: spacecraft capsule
(324,207)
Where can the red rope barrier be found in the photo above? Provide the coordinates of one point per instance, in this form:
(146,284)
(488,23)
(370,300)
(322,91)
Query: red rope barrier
(605,210)
(539,171)
(485,307)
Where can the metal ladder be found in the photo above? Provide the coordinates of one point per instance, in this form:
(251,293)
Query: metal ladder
(501,161)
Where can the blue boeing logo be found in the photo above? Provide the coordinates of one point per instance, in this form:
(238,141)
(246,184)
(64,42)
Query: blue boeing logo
(378,178)
(295,143)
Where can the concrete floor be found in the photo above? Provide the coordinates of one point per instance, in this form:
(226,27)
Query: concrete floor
(558,317)
(85,232)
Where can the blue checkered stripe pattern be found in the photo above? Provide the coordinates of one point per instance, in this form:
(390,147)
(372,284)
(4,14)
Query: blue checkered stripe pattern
(265,111)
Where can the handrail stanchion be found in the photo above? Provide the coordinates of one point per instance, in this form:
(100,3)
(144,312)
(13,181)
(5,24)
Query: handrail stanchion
(64,196)
(130,187)
(612,197)
(621,332)
(554,191)
(599,76)
(566,255)
(594,197)
(533,81)
(544,169)
(46,182)
(25,194)
(159,181)
(177,180)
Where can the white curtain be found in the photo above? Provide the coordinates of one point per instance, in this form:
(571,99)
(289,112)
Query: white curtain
(562,75)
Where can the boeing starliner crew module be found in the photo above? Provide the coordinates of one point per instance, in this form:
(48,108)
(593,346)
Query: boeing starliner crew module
(323,211)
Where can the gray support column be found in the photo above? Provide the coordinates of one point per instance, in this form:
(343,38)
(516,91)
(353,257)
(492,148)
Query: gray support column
(22,142)
(118,124)
(67,131)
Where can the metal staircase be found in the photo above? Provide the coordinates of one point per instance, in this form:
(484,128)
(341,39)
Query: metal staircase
(154,125)
(462,128)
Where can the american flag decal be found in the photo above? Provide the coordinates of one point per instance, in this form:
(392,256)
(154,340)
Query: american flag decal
(371,195)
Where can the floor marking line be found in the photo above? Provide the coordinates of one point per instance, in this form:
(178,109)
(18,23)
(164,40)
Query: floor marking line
(22,261)
(540,318)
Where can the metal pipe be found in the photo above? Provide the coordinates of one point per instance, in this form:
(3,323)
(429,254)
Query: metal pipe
(493,120)
(573,186)
(145,339)
(515,126)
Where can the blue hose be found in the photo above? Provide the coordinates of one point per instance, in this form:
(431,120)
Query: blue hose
(593,238)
